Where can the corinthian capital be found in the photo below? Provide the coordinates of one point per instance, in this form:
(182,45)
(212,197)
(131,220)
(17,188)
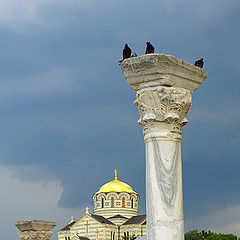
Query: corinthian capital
(35,235)
(163,107)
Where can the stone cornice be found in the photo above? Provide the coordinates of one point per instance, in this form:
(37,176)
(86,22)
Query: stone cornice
(161,69)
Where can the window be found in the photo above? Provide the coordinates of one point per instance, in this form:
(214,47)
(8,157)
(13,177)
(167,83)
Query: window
(68,238)
(123,202)
(132,202)
(112,202)
(112,235)
(126,235)
(102,202)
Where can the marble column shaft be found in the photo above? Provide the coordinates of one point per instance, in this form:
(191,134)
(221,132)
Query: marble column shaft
(164,86)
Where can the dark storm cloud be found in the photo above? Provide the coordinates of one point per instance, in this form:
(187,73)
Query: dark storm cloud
(66,107)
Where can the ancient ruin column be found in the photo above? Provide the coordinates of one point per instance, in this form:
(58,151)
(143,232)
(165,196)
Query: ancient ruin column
(35,229)
(164,86)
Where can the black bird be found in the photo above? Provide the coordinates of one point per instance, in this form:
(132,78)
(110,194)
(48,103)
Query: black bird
(126,52)
(199,63)
(149,48)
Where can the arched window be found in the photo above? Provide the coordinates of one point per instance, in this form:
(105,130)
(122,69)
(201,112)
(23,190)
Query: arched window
(102,202)
(123,202)
(112,202)
(112,235)
(132,202)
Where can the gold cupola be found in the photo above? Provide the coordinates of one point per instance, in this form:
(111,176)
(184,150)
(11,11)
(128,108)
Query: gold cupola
(115,186)
(116,198)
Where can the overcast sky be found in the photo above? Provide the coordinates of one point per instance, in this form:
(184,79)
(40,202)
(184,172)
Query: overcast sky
(67,114)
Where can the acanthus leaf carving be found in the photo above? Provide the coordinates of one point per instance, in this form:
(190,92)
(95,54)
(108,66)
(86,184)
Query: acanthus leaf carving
(164,107)
(35,235)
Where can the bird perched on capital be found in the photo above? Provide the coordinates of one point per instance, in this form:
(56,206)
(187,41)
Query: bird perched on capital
(149,48)
(199,63)
(126,52)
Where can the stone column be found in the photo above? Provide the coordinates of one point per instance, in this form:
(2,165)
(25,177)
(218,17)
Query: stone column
(35,229)
(164,86)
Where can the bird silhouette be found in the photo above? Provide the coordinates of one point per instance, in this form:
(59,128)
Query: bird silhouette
(126,52)
(199,63)
(149,48)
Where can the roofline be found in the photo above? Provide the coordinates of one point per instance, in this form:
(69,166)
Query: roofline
(140,223)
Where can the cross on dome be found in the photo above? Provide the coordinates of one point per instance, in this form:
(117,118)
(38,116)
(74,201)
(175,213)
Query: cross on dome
(116,174)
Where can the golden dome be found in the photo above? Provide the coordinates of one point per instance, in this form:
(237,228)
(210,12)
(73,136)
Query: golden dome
(115,186)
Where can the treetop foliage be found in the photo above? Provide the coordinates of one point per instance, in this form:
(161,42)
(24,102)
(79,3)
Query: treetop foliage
(203,235)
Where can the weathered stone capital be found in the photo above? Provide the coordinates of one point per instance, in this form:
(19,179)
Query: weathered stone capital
(35,229)
(161,69)
(35,235)
(163,108)
(164,86)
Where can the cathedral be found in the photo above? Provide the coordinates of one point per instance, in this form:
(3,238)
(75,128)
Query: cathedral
(115,216)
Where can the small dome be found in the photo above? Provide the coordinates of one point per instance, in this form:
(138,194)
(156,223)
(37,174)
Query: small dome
(115,186)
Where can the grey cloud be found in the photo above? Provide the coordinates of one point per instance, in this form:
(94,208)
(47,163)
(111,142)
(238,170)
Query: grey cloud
(77,121)
(30,200)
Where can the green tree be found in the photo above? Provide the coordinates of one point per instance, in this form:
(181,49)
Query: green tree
(193,235)
(203,235)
